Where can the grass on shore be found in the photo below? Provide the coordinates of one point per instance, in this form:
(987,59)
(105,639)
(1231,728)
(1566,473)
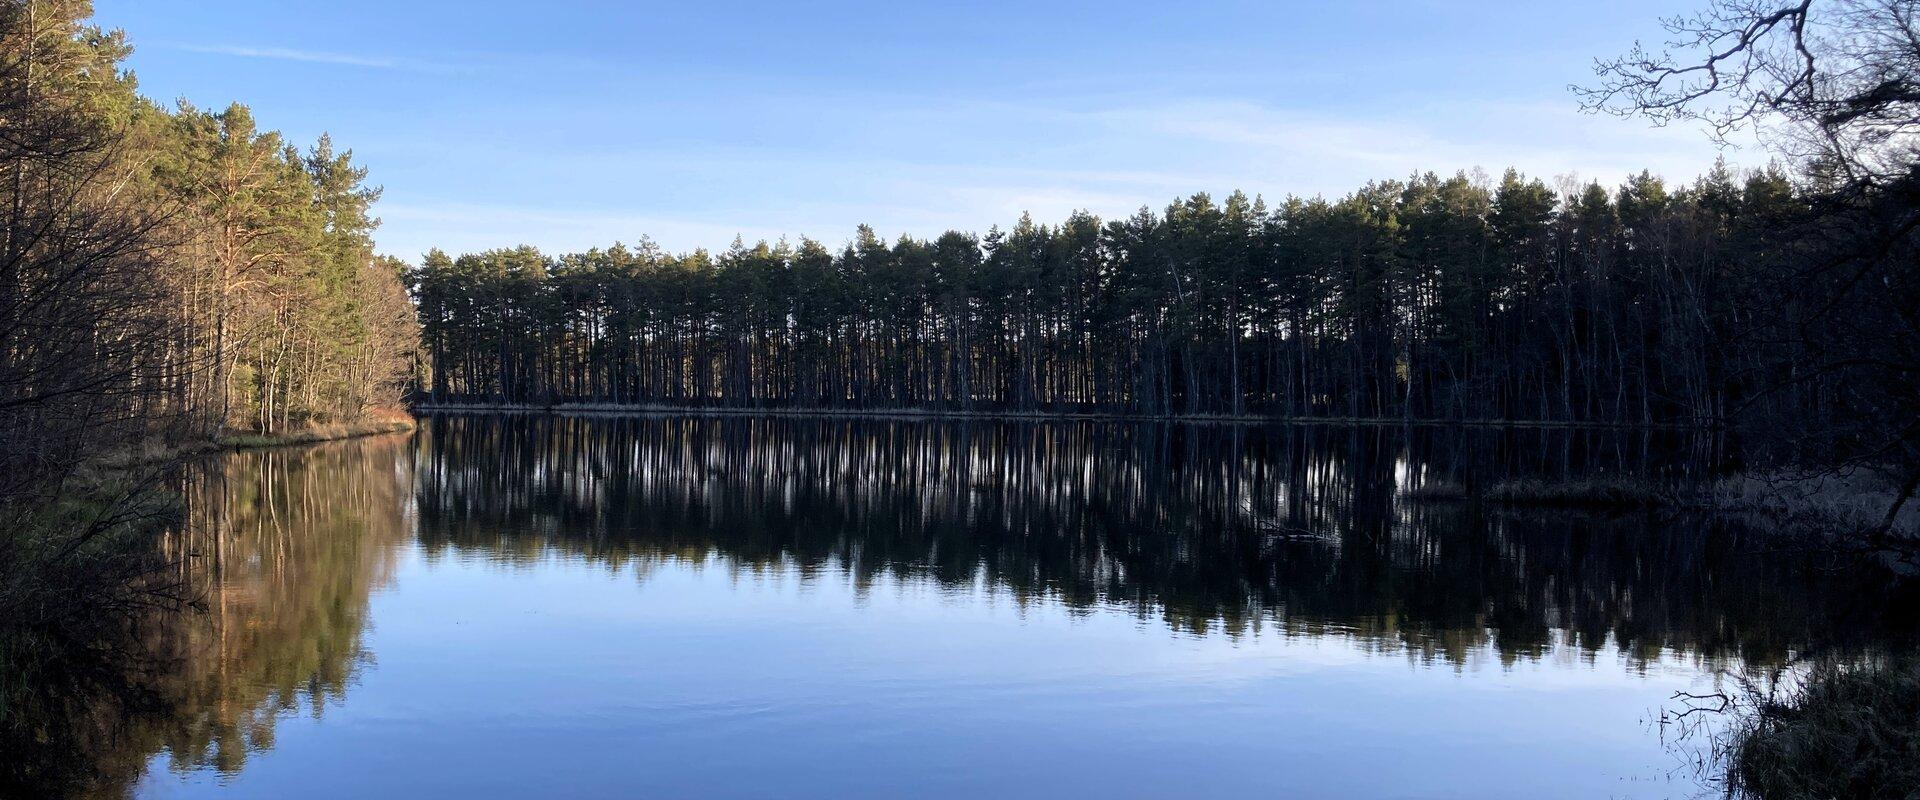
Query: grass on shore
(77,571)
(93,534)
(1601,492)
(311,434)
(155,451)
(1821,502)
(1841,733)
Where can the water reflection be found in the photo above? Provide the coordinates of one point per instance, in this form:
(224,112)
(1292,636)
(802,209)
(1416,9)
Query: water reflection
(278,552)
(1211,528)
(294,542)
(1214,541)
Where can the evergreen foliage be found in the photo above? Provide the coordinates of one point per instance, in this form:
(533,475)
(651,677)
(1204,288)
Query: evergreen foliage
(167,275)
(1431,298)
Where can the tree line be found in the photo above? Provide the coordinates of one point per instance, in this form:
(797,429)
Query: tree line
(1429,298)
(1780,305)
(169,275)
(173,270)
(1833,86)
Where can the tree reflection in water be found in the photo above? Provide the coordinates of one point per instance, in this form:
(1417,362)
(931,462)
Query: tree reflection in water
(280,551)
(1224,529)
(1211,530)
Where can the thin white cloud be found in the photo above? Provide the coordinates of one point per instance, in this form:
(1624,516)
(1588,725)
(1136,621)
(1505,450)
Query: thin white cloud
(994,162)
(1315,152)
(410,230)
(312,57)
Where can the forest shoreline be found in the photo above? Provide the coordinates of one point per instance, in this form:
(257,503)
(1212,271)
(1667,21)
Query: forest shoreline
(118,506)
(239,441)
(624,409)
(1827,506)
(311,435)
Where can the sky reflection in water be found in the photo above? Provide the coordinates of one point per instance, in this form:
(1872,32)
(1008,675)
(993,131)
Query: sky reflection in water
(722,608)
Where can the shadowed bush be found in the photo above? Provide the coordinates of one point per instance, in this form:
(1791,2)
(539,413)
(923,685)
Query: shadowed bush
(1851,733)
(1597,492)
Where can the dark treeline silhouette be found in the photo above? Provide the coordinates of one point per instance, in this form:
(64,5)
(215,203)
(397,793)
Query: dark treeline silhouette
(1832,86)
(1831,323)
(1431,298)
(1295,530)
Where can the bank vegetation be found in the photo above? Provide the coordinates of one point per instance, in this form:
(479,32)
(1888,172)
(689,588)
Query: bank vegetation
(170,276)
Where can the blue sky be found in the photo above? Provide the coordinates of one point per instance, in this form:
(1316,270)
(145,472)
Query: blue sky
(572,124)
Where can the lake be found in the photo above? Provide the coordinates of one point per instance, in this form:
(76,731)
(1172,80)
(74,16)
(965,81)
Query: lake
(527,606)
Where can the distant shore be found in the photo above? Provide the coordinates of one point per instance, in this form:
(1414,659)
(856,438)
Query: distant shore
(624,409)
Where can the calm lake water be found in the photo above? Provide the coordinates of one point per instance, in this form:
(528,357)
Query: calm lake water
(733,607)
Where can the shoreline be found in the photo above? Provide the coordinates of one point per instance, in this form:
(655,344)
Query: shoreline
(242,441)
(236,442)
(654,410)
(1827,504)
